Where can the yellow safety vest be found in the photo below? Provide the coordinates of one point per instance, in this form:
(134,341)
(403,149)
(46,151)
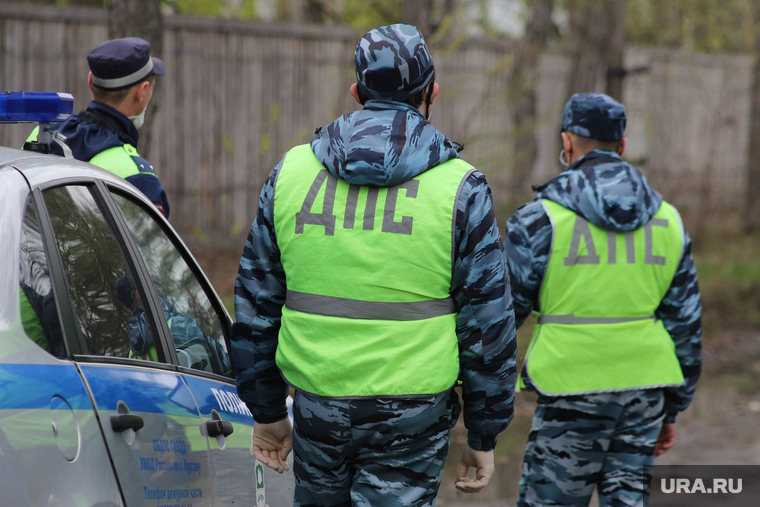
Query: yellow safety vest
(597,330)
(368,310)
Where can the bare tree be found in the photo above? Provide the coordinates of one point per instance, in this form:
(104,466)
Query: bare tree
(445,20)
(752,216)
(140,18)
(314,12)
(523,82)
(613,54)
(597,37)
(417,13)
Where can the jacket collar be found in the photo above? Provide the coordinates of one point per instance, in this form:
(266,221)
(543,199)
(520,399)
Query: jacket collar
(114,116)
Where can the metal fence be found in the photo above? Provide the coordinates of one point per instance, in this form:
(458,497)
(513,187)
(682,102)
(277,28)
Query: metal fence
(237,95)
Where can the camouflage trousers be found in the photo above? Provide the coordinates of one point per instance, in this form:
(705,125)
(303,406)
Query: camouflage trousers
(371,451)
(601,440)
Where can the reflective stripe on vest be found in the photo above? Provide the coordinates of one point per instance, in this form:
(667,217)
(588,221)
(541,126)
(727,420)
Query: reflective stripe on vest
(368,311)
(596,331)
(572,319)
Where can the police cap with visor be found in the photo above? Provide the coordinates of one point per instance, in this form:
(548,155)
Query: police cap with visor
(594,115)
(392,63)
(120,63)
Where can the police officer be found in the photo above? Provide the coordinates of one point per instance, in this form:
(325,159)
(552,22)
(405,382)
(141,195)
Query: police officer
(607,267)
(372,279)
(122,78)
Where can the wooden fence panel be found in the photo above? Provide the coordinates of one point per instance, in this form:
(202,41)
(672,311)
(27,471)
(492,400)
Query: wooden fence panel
(237,95)
(689,128)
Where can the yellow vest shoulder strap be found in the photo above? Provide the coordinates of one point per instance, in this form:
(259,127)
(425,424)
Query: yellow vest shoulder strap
(118,160)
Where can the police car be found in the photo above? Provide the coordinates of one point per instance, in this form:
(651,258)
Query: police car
(116,384)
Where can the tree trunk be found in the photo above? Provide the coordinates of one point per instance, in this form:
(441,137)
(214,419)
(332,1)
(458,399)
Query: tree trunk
(752,216)
(140,18)
(597,32)
(613,57)
(417,13)
(523,82)
(312,12)
(589,34)
(290,11)
(445,20)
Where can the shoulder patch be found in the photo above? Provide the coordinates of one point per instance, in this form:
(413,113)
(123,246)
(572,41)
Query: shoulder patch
(143,166)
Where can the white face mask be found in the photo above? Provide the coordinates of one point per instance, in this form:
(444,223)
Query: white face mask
(139,119)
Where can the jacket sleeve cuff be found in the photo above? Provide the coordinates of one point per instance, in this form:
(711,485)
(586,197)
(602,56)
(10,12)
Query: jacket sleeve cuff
(670,418)
(269,416)
(481,442)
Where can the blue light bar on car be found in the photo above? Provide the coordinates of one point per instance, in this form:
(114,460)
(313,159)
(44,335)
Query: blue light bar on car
(35,107)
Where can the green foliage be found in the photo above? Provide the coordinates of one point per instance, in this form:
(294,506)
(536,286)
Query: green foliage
(248,10)
(215,8)
(713,26)
(364,15)
(727,258)
(205,8)
(699,25)
(729,280)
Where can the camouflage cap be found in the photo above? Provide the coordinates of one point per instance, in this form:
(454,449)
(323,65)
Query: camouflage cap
(392,63)
(594,115)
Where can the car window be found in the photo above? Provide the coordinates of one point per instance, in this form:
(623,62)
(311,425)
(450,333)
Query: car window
(108,306)
(39,314)
(195,326)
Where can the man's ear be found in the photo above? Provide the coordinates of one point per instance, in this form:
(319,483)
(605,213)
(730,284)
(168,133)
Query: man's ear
(355,93)
(140,91)
(567,144)
(623,144)
(436,89)
(89,81)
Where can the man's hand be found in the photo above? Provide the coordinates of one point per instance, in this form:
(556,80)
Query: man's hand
(271,444)
(482,462)
(666,439)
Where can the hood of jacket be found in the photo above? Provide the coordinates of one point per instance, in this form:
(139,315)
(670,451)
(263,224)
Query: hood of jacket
(609,193)
(383,145)
(87,139)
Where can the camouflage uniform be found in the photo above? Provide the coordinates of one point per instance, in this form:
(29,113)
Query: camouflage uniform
(362,444)
(604,439)
(378,451)
(562,465)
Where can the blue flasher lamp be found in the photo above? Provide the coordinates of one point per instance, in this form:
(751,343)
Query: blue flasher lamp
(42,108)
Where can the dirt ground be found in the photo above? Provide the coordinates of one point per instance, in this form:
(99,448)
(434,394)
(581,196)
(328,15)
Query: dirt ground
(720,427)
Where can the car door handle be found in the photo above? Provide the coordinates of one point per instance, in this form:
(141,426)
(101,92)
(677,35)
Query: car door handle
(216,428)
(123,422)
